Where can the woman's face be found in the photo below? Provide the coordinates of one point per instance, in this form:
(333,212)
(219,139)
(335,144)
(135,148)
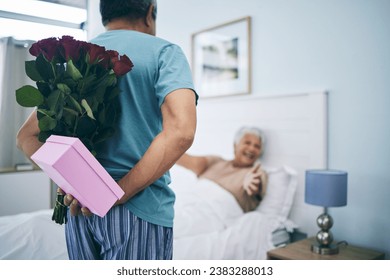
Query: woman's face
(247,151)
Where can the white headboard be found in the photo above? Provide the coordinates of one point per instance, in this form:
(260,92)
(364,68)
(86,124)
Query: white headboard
(295,126)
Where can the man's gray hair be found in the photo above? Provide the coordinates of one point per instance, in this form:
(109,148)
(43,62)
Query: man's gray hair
(130,9)
(249,130)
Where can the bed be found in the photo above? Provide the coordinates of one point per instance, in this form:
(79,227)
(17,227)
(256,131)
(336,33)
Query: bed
(209,224)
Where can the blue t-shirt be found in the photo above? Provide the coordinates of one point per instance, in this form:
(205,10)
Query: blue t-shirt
(159,68)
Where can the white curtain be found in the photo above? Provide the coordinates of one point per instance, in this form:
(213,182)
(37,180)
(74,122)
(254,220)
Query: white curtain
(13,54)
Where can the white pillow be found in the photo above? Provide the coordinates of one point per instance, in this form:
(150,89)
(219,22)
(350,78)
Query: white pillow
(278,199)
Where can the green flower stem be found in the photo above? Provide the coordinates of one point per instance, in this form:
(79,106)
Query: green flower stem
(87,71)
(53,68)
(59,213)
(85,75)
(75,127)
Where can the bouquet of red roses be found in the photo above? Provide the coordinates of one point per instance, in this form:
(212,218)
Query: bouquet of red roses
(76,91)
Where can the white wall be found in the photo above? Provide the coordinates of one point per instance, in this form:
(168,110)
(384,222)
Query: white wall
(342,46)
(94,26)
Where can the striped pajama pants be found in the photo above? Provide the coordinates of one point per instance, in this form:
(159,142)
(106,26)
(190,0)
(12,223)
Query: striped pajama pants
(119,235)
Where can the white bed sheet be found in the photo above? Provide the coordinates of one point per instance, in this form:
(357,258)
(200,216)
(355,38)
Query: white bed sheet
(209,224)
(32,236)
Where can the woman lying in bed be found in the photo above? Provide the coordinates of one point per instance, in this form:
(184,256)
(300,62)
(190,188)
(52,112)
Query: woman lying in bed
(242,176)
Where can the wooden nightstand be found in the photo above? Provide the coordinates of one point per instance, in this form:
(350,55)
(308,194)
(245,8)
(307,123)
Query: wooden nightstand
(300,250)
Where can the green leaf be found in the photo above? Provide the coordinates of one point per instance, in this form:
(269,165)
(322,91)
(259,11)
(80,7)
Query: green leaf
(85,105)
(69,82)
(111,80)
(31,71)
(43,135)
(87,85)
(89,81)
(55,100)
(44,88)
(99,94)
(64,88)
(86,126)
(59,129)
(75,104)
(69,116)
(93,103)
(46,112)
(71,111)
(29,96)
(47,123)
(72,70)
(44,68)
(113,93)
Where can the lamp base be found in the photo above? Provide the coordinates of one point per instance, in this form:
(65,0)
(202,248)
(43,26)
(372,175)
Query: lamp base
(325,250)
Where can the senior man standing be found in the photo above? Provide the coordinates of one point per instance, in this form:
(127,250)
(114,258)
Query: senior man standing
(157,125)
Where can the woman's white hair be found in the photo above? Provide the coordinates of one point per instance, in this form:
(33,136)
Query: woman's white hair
(249,130)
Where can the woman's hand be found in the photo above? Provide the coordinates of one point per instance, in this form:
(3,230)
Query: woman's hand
(252,180)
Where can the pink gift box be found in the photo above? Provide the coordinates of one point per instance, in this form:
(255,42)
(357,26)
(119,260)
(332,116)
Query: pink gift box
(76,171)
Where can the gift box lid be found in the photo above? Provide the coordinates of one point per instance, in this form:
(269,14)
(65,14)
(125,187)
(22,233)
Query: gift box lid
(90,159)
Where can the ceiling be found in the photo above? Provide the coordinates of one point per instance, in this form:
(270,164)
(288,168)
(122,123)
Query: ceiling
(73,3)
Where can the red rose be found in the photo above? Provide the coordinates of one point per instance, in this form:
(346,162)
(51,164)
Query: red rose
(114,55)
(123,65)
(71,48)
(96,53)
(46,47)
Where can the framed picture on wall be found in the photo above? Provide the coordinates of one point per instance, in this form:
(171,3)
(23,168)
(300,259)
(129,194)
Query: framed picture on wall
(221,59)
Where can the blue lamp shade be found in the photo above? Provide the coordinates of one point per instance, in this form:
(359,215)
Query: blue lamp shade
(327,188)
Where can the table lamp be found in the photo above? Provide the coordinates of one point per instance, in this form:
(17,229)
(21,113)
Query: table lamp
(326,188)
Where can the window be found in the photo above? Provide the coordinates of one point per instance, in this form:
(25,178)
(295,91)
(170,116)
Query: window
(24,21)
(35,20)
